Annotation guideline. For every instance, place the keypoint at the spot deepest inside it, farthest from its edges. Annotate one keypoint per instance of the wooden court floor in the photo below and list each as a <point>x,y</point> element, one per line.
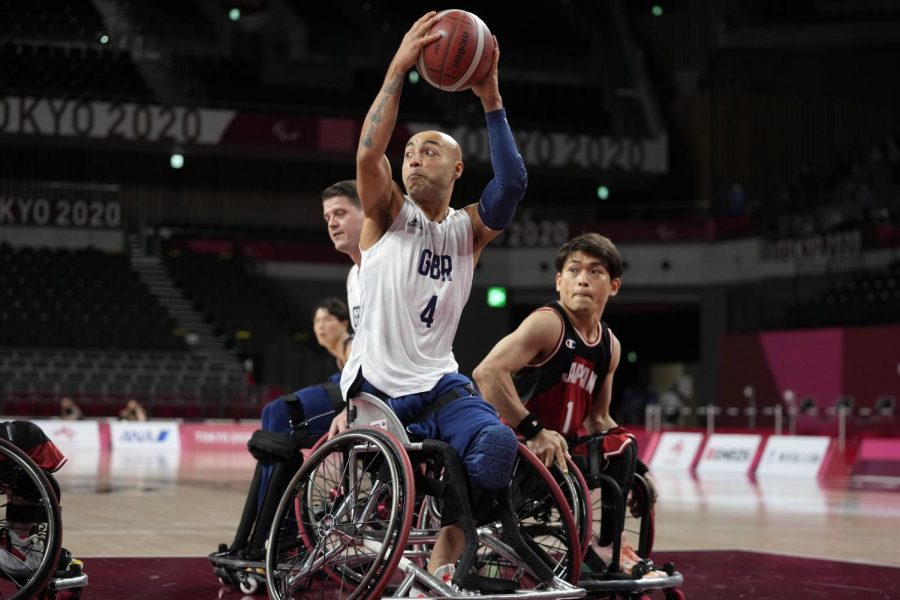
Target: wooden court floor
<point>168,506</point>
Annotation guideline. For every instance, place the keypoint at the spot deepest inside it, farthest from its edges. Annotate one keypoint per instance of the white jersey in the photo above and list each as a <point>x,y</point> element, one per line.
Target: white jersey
<point>415,282</point>
<point>353,302</point>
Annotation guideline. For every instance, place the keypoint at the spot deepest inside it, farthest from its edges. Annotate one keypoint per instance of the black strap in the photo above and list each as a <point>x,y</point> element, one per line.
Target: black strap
<point>334,394</point>
<point>295,408</point>
<point>462,391</point>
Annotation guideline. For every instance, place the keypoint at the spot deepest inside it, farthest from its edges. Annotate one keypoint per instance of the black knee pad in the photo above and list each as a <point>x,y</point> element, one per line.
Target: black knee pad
<point>270,447</point>
<point>621,467</point>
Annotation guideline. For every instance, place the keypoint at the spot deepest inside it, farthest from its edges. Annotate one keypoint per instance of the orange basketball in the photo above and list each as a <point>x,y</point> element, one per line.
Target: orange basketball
<point>463,54</point>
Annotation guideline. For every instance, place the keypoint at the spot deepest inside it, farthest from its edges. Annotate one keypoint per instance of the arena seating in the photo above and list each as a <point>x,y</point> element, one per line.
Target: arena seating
<point>81,323</point>
<point>173,19</point>
<point>67,71</point>
<point>42,19</point>
<point>872,297</point>
<point>235,303</point>
<point>79,299</point>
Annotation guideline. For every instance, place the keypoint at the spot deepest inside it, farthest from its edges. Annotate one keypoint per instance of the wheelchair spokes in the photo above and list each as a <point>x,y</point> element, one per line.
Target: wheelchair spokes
<point>349,506</point>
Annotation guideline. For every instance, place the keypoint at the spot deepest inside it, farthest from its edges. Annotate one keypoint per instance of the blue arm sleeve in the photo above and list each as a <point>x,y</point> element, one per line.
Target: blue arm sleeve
<point>504,192</point>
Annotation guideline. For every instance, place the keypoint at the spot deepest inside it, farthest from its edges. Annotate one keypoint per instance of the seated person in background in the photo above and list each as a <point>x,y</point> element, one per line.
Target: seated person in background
<point>332,321</point>
<point>296,420</point>
<point>552,377</point>
<point>331,324</point>
<point>69,411</point>
<point>133,411</point>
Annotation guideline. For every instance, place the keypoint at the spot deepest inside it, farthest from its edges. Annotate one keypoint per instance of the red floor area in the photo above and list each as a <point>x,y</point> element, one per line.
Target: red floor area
<point>722,575</point>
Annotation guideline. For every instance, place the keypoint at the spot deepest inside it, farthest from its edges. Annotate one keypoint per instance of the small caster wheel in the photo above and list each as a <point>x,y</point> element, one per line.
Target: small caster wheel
<point>249,585</point>
<point>639,570</point>
<point>669,568</point>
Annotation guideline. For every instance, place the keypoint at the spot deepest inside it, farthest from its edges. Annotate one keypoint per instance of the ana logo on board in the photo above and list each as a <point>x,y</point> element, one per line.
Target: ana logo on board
<point>145,435</point>
<point>158,437</point>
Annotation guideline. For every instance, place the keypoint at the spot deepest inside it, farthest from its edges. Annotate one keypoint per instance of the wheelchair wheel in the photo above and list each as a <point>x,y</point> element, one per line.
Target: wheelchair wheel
<point>345,517</point>
<point>641,524</point>
<point>30,525</point>
<point>546,517</point>
<point>639,521</point>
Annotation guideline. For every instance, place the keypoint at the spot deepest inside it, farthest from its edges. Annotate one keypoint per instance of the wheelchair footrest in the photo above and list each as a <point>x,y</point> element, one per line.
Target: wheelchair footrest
<point>491,585</point>
<point>68,582</point>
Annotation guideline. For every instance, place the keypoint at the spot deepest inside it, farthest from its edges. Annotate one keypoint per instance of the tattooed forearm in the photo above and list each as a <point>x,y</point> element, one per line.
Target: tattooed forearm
<point>377,116</point>
<point>394,85</point>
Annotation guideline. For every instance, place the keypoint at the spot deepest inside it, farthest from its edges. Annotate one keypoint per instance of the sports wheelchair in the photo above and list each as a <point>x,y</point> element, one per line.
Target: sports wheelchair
<point>598,502</point>
<point>33,563</point>
<point>360,517</point>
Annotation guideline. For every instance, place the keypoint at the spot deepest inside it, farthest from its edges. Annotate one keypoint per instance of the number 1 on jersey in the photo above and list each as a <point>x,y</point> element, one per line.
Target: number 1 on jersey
<point>427,315</point>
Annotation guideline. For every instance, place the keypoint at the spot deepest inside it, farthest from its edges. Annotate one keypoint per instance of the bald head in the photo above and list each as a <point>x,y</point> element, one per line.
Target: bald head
<point>432,162</point>
<point>438,138</point>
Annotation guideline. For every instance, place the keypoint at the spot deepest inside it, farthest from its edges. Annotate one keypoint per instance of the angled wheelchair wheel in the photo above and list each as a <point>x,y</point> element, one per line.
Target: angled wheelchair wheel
<point>577,494</point>
<point>343,521</point>
<point>639,516</point>
<point>546,518</point>
<point>30,525</point>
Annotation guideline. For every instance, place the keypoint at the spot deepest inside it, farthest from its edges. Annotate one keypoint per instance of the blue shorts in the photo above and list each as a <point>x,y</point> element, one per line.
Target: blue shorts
<point>317,407</point>
<point>469,424</point>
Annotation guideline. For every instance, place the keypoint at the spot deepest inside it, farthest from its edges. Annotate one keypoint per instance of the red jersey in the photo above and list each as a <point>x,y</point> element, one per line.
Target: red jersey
<point>560,389</point>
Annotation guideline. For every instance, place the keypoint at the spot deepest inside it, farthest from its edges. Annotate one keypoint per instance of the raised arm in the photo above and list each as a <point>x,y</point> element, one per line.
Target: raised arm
<point>600,419</point>
<point>533,340</point>
<point>381,197</point>
<point>494,211</point>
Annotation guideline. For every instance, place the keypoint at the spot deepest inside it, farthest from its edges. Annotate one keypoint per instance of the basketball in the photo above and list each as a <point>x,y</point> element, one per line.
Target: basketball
<point>463,54</point>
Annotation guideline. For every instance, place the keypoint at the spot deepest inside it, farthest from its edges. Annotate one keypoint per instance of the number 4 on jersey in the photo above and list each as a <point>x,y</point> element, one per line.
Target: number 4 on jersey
<point>427,315</point>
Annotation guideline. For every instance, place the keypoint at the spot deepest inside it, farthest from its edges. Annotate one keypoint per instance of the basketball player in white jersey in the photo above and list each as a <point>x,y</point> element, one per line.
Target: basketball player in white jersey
<point>419,257</point>
<point>343,215</point>
<point>298,419</point>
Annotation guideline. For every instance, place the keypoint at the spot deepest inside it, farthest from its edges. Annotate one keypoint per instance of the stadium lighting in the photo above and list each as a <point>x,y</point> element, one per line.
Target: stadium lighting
<point>234,14</point>
<point>176,161</point>
<point>104,39</point>
<point>496,296</point>
<point>414,77</point>
<point>603,192</point>
<point>656,10</point>
<point>632,357</point>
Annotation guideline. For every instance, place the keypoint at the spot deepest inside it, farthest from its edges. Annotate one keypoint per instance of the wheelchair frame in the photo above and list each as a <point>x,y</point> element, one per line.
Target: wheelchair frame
<point>391,553</point>
<point>44,579</point>
<point>614,582</point>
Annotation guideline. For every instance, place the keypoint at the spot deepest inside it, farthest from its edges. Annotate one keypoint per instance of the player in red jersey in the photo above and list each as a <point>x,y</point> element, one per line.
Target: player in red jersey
<point>551,378</point>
